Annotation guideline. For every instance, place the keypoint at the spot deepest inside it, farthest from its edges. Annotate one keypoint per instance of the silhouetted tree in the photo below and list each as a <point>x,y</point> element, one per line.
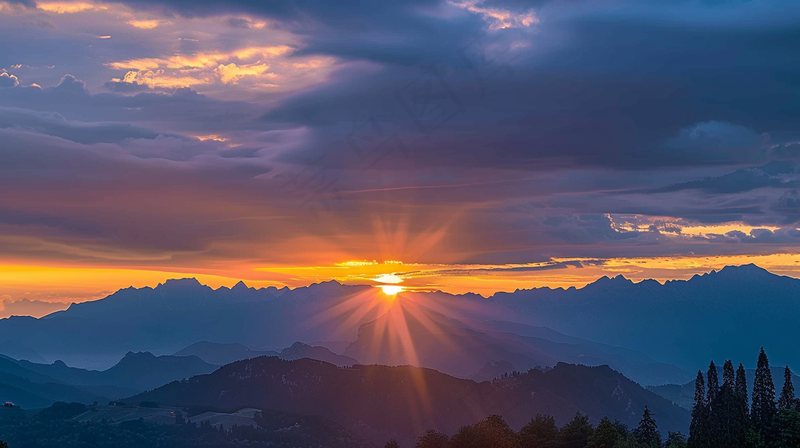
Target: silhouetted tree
<point>724,411</point>
<point>392,444</point>
<point>763,410</point>
<point>786,399</point>
<point>728,375</point>
<point>576,433</point>
<point>741,387</point>
<point>698,436</point>
<point>647,432</point>
<point>540,432</point>
<point>713,384</point>
<point>675,440</point>
<point>604,436</point>
<point>493,432</point>
<point>433,439</point>
<point>712,413</point>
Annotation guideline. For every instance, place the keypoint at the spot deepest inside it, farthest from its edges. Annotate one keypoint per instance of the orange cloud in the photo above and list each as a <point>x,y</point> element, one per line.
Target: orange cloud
<point>69,7</point>
<point>232,73</point>
<point>143,24</point>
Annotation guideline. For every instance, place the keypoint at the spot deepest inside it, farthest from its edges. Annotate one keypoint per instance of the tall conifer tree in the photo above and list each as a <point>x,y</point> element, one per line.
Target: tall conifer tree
<point>741,386</point>
<point>763,410</point>
<point>713,384</point>
<point>786,400</point>
<point>741,420</point>
<point>728,375</point>
<point>647,432</point>
<point>726,406</point>
<point>712,407</point>
<point>697,433</point>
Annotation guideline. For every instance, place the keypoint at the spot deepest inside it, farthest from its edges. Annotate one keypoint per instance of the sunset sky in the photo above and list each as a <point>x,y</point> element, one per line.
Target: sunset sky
<point>461,145</point>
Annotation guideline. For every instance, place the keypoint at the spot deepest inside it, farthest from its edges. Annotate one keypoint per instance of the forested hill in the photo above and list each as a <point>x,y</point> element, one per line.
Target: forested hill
<point>382,402</point>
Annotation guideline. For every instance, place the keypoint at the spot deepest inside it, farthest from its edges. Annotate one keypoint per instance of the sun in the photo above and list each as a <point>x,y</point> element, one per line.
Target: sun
<point>391,290</point>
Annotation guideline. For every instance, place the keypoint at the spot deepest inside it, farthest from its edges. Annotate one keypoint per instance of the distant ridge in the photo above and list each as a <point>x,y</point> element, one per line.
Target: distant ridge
<point>680,322</point>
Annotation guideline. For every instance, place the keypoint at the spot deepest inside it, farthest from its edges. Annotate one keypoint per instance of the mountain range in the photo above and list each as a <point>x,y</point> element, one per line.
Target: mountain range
<point>654,333</point>
<point>35,385</point>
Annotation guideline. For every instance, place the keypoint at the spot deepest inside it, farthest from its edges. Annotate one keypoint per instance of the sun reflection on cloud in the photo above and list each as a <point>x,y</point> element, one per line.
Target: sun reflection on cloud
<point>69,7</point>
<point>391,290</point>
<point>143,24</point>
<point>389,278</point>
<point>498,18</point>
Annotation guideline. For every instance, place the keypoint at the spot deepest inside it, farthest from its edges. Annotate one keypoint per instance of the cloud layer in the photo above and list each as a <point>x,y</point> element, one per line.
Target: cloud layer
<point>225,137</point>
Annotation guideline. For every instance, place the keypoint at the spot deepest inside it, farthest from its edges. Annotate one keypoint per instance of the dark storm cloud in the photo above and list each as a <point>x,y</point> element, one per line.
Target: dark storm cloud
<point>180,110</point>
<point>638,92</point>
<point>776,174</point>
<point>56,125</point>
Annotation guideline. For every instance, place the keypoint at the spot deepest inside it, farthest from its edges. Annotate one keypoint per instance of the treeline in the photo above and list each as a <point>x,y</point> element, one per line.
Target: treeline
<point>542,432</point>
<point>55,427</point>
<point>723,416</point>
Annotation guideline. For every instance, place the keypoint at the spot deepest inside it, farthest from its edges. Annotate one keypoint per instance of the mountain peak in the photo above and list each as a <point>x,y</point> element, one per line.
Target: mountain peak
<point>742,271</point>
<point>130,356</point>
<point>240,286</point>
<point>180,282</point>
<point>618,280</point>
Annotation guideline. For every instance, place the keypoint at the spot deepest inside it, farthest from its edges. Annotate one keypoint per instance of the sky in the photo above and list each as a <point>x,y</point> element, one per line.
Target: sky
<point>460,145</point>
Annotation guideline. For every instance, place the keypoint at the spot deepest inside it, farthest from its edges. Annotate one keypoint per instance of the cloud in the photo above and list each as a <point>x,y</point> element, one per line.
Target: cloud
<point>550,129</point>
<point>499,18</point>
<point>56,125</point>
<point>8,80</point>
<point>68,7</point>
<point>232,73</point>
<point>26,307</point>
<point>70,85</point>
<point>776,174</point>
<point>143,24</point>
<point>245,23</point>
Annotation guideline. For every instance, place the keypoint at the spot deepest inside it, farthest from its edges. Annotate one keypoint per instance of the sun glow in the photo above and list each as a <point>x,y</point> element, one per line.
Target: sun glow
<point>391,290</point>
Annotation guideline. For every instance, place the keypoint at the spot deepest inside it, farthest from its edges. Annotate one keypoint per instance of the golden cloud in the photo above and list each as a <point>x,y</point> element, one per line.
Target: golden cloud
<point>232,73</point>
<point>143,24</point>
<point>69,7</point>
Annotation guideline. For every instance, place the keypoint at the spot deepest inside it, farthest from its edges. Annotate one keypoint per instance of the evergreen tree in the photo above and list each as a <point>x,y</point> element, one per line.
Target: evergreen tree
<point>713,416</point>
<point>713,384</point>
<point>605,435</point>
<point>741,417</point>
<point>697,429</point>
<point>763,408</point>
<point>725,410</point>
<point>741,387</point>
<point>647,432</point>
<point>786,400</point>
<point>392,444</point>
<point>728,375</point>
<point>540,432</point>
